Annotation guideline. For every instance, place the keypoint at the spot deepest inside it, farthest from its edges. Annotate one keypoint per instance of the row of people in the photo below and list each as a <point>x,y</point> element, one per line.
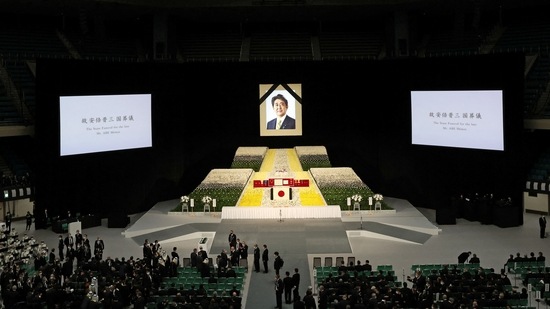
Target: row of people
<point>468,290</point>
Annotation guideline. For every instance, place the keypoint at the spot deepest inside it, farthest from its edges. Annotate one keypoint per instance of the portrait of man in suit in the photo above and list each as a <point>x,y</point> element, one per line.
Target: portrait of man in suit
<point>280,107</point>
<point>282,120</point>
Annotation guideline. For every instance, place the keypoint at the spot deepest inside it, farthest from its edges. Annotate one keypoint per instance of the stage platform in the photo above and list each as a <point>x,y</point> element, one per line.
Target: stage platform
<point>403,223</point>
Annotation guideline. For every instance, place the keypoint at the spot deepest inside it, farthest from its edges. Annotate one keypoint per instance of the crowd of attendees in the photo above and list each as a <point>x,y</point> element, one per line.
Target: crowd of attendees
<point>451,286</point>
<point>35,276</point>
<point>14,180</point>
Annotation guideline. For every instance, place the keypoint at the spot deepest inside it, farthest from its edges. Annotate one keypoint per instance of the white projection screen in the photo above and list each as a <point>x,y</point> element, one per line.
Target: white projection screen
<point>99,123</point>
<point>472,119</point>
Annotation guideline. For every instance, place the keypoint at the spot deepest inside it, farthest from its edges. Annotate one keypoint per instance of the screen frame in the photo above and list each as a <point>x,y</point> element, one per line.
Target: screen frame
<point>447,133</point>
<point>88,106</point>
<point>293,93</point>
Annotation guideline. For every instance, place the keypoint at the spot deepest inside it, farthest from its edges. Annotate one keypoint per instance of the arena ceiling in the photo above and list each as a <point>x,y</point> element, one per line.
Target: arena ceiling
<point>267,10</point>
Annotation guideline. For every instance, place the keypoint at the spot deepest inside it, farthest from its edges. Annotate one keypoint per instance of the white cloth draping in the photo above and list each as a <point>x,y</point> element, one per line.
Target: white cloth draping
<point>281,212</point>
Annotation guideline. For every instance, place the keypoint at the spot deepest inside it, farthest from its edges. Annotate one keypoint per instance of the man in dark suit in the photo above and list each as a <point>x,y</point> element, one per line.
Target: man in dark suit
<point>203,254</point>
<point>232,239</point>
<point>175,262</point>
<point>296,282</point>
<point>463,257</point>
<point>542,225</point>
<point>51,258</point>
<point>279,289</point>
<point>278,263</point>
<point>8,218</point>
<point>69,242</point>
<point>61,247</point>
<point>265,258</point>
<point>78,238</point>
<point>193,257</point>
<point>99,246</point>
<point>288,284</point>
<point>256,258</point>
<point>283,121</point>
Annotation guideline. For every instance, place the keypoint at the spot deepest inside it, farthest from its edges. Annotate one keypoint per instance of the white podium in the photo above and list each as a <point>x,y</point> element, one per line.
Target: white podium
<point>74,226</point>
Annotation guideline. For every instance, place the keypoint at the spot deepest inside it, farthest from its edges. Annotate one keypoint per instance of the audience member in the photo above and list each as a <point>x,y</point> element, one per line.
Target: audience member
<point>463,257</point>
<point>474,259</point>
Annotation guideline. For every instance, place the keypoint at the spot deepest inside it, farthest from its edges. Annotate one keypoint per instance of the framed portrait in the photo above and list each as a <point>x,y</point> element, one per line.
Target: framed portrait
<point>280,109</point>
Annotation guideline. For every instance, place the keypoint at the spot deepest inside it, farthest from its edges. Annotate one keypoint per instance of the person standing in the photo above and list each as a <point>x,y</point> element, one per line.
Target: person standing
<point>78,238</point>
<point>244,251</point>
<point>288,284</point>
<point>296,283</point>
<point>61,247</point>
<point>223,262</point>
<point>279,288</point>
<point>278,262</point>
<point>99,246</point>
<point>193,257</point>
<point>265,258</point>
<point>309,300</point>
<point>28,217</point>
<point>51,258</point>
<point>69,242</point>
<point>175,262</point>
<point>8,221</point>
<point>542,225</point>
<point>147,253</point>
<point>234,255</point>
<point>201,257</point>
<point>232,239</point>
<point>256,258</point>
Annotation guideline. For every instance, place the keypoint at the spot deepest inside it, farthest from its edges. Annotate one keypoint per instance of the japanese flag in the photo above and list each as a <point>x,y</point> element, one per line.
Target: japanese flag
<point>281,193</point>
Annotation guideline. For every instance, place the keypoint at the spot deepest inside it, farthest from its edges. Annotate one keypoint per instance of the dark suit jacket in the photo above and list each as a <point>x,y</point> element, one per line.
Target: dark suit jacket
<point>288,123</point>
<point>265,255</point>
<point>256,254</point>
<point>279,286</point>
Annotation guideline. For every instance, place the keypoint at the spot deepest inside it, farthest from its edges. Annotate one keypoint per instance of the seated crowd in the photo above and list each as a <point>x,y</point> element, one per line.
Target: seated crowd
<point>451,286</point>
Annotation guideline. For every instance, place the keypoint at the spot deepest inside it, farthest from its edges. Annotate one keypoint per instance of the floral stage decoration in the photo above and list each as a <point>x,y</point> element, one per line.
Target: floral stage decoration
<point>231,187</point>
<point>224,185</point>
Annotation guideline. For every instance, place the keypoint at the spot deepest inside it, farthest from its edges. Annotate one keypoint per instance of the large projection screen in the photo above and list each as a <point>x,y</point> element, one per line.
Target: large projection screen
<point>98,123</point>
<point>470,119</point>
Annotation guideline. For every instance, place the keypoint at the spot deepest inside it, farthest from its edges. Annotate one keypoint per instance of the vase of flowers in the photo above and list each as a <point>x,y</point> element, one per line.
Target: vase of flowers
<point>206,200</point>
<point>184,202</point>
<point>357,198</point>
<point>378,198</point>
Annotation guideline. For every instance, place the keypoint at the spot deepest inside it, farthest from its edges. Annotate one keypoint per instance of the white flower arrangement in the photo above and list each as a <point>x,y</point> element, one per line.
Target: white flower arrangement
<point>357,198</point>
<point>251,152</point>
<point>222,178</point>
<point>206,199</point>
<point>311,150</point>
<point>184,199</point>
<point>378,197</point>
<point>340,177</point>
